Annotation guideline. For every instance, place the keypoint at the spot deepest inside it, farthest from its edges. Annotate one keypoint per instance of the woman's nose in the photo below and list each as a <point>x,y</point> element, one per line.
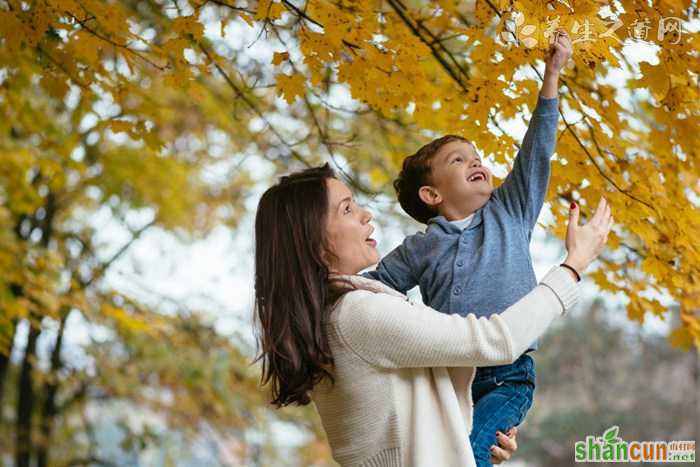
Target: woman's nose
<point>367,216</point>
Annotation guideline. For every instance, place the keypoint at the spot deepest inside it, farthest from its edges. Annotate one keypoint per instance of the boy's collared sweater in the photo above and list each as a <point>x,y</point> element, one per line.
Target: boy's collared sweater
<point>486,267</point>
<point>403,373</point>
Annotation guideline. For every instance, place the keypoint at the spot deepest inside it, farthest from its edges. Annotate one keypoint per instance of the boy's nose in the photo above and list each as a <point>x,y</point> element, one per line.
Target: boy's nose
<point>475,163</point>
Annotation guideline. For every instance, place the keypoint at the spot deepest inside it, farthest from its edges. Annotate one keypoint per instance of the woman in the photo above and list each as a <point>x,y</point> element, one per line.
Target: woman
<point>390,380</point>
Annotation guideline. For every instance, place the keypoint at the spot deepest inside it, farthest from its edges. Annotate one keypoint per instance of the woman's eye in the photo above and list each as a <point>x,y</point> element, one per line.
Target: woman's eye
<point>347,209</point>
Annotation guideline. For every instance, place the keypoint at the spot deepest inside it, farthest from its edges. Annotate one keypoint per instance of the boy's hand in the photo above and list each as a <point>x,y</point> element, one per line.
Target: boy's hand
<point>558,53</point>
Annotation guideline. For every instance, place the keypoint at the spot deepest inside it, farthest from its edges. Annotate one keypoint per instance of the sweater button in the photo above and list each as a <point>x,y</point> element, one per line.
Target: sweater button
<point>460,263</point>
<point>457,290</point>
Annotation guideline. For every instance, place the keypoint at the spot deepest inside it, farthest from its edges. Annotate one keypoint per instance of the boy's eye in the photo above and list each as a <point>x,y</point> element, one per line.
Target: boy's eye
<point>347,209</point>
<point>457,159</point>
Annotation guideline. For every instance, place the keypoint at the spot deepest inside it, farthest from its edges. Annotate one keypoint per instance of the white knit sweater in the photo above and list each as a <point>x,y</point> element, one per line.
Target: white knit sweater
<point>403,372</point>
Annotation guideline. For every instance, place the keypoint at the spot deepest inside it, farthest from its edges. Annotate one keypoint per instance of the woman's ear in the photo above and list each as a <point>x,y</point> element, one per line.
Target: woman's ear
<point>429,195</point>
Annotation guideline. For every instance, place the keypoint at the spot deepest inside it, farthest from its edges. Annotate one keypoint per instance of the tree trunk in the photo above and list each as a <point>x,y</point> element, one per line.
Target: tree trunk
<point>49,409</point>
<point>25,400</point>
<point>696,375</point>
<point>5,362</point>
<point>16,291</point>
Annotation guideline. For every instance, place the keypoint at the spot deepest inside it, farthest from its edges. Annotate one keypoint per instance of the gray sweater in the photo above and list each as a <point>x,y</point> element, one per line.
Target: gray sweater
<point>403,373</point>
<point>486,267</point>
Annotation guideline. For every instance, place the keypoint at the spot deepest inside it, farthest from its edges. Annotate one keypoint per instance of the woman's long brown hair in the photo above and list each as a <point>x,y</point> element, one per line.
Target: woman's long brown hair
<point>293,294</point>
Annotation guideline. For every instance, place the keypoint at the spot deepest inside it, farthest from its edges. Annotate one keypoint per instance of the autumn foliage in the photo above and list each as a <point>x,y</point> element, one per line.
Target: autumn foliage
<point>129,107</point>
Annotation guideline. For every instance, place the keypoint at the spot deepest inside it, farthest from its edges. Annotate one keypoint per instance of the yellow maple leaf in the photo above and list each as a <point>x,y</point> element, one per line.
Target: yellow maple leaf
<point>635,311</point>
<point>290,86</point>
<point>188,25</point>
<point>602,281</point>
<point>247,19</point>
<point>655,78</point>
<point>652,266</point>
<point>681,338</point>
<point>378,177</point>
<point>56,86</point>
<point>267,10</point>
<point>279,57</point>
<point>120,126</point>
<point>86,47</point>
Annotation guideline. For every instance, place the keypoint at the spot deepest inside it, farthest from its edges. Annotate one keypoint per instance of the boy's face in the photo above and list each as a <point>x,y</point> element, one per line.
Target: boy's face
<point>461,184</point>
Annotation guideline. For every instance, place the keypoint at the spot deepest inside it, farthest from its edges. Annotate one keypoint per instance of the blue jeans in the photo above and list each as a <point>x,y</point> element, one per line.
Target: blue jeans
<point>502,396</point>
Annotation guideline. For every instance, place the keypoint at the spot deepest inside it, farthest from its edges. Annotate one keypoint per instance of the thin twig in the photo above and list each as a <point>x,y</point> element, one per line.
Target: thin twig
<point>115,44</point>
<point>239,93</point>
<point>569,127</point>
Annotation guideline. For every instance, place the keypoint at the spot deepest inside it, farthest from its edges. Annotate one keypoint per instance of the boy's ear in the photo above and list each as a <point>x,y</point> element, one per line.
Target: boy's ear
<point>429,195</point>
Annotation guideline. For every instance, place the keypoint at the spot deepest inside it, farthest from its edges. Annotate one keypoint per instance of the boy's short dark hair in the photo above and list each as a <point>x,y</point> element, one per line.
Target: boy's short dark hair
<point>415,173</point>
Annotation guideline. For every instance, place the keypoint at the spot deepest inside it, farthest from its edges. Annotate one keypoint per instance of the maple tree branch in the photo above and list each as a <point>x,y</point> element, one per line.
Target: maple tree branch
<point>435,40</point>
<point>224,4</point>
<point>252,106</point>
<point>569,127</point>
<point>90,460</point>
<point>492,117</point>
<point>60,66</point>
<point>323,135</point>
<point>590,157</point>
<point>600,170</point>
<point>438,39</point>
<point>329,146</point>
<point>113,43</point>
<point>609,179</point>
<point>398,8</point>
<point>328,105</point>
<point>300,13</point>
<point>102,268</point>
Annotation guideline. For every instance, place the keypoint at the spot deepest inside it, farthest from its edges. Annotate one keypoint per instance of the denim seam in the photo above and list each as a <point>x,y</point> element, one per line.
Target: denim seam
<point>507,403</point>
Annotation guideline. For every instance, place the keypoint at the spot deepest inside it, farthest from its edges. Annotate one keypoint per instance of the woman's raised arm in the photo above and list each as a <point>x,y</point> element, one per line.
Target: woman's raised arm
<point>390,332</point>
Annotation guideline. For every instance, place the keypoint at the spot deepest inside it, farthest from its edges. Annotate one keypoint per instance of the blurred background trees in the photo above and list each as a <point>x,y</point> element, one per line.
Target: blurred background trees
<point>131,123</point>
<point>592,374</point>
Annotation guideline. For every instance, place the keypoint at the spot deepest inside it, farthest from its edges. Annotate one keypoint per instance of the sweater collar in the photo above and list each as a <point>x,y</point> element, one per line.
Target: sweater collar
<point>366,283</point>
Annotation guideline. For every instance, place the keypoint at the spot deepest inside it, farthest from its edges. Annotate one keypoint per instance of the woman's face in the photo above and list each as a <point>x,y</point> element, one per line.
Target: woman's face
<point>348,232</point>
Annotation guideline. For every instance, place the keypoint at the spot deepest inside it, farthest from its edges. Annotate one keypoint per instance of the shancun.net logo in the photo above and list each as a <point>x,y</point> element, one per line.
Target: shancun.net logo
<point>611,448</point>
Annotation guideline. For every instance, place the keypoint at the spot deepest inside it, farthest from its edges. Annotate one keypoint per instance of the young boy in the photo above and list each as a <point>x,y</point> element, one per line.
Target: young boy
<point>474,255</point>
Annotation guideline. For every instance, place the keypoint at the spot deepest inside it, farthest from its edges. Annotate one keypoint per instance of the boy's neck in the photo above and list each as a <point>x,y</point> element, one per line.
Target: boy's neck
<point>455,213</point>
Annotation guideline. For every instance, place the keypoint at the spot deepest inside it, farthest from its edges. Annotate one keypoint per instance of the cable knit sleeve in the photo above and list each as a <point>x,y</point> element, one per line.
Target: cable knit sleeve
<point>387,331</point>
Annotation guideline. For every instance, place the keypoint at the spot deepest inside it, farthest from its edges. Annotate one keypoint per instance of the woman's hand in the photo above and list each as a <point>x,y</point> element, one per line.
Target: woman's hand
<point>584,243</point>
<point>508,445</point>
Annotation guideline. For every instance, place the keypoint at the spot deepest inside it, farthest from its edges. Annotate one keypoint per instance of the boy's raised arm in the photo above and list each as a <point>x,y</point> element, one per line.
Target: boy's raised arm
<point>524,189</point>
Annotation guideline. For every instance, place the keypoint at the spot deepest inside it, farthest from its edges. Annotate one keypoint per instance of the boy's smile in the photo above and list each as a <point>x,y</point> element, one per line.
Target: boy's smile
<point>460,184</point>
<point>478,175</point>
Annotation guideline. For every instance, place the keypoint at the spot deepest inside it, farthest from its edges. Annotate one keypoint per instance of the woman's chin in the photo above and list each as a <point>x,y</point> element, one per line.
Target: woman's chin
<point>371,259</point>
<point>374,259</point>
